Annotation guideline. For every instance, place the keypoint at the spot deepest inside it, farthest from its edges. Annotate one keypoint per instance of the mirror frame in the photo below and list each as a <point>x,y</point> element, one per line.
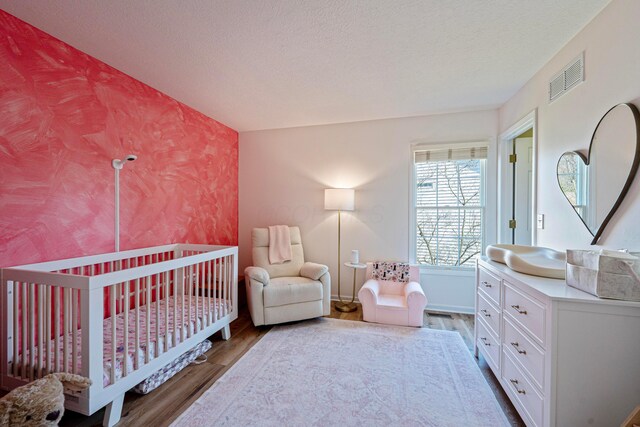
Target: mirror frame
<point>630,177</point>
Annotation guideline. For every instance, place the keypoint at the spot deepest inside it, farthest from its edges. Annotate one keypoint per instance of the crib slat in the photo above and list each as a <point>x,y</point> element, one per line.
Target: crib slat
<point>197,292</point>
<point>65,326</point>
<point>232,283</point>
<point>175,308</point>
<point>207,287</point>
<point>203,298</point>
<point>182,306</point>
<point>69,310</point>
<point>32,328</point>
<point>221,290</point>
<point>215,290</point>
<point>157,305</point>
<point>48,329</point>
<point>209,278</point>
<point>56,319</point>
<point>148,324</point>
<point>74,332</point>
<point>227,288</point>
<point>190,284</point>
<point>223,283</point>
<point>136,362</point>
<point>114,341</point>
<point>166,311</point>
<point>229,306</point>
<point>223,286</point>
<point>23,321</point>
<point>125,291</point>
<point>16,327</point>
<point>226,284</point>
<point>41,339</point>
<point>203,291</point>
<point>229,272</point>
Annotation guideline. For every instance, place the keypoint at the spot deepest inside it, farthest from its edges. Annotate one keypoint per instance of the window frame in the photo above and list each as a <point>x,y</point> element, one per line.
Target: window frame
<point>453,270</point>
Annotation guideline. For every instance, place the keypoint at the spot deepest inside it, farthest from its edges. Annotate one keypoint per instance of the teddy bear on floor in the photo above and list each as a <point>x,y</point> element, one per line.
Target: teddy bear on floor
<point>39,403</point>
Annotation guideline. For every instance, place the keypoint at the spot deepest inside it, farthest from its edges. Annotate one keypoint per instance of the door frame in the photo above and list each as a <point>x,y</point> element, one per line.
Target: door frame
<point>505,176</point>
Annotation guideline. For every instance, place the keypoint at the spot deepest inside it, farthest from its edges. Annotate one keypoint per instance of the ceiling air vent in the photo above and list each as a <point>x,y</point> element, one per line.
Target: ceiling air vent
<point>566,79</point>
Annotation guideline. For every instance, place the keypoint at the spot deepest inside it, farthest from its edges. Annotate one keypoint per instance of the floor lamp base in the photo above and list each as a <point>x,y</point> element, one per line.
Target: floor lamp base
<point>346,307</point>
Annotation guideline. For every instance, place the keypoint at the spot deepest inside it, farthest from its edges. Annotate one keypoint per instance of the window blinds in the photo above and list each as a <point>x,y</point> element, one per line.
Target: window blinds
<point>437,155</point>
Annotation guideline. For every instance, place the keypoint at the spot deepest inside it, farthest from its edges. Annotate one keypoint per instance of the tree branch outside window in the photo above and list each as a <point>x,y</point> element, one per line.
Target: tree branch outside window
<point>449,212</point>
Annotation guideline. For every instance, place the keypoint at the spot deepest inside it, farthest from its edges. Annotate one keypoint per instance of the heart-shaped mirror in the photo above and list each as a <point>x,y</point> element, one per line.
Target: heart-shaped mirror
<point>596,184</point>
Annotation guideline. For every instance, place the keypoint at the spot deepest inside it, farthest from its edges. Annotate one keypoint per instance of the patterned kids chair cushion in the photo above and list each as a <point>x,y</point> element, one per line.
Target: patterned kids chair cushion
<point>391,271</point>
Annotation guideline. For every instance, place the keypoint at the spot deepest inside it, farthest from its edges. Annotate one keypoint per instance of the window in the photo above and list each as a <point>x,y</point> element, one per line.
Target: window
<point>448,210</point>
<point>572,177</point>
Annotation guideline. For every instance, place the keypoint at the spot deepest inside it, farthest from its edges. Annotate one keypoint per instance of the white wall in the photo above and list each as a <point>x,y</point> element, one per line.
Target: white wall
<point>283,174</point>
<point>612,64</point>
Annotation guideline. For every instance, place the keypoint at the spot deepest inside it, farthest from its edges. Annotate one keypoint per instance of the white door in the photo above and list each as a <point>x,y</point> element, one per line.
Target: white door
<point>523,187</point>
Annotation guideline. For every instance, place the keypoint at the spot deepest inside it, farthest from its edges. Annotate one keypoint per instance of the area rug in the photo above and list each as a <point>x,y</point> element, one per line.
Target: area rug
<point>329,372</point>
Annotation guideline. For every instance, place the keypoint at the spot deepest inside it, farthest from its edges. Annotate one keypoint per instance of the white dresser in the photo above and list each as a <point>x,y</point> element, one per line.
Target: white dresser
<point>564,357</point>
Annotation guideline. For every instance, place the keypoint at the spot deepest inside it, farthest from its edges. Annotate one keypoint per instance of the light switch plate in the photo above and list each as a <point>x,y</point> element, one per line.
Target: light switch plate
<point>541,221</point>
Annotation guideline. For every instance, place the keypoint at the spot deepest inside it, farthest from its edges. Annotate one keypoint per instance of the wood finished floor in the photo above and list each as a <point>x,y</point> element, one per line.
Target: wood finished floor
<point>163,405</point>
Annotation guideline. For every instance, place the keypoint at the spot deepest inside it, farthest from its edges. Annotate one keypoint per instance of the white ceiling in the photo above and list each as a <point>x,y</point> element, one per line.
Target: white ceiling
<point>255,64</point>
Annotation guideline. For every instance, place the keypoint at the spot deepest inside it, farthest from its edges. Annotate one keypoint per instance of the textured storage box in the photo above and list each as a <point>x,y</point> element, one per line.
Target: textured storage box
<point>614,275</point>
<point>163,375</point>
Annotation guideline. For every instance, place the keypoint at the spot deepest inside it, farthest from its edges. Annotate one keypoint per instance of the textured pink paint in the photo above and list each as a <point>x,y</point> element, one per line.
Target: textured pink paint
<point>63,116</point>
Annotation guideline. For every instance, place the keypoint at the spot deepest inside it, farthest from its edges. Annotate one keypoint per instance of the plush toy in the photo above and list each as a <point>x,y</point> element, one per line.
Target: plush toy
<point>41,402</point>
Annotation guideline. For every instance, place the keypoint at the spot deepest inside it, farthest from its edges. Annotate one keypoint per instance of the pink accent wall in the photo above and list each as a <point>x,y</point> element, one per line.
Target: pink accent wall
<point>63,116</point>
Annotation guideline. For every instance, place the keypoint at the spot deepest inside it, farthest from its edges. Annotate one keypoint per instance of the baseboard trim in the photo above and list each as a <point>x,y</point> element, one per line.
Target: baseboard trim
<point>434,307</point>
<point>450,308</point>
<point>345,299</point>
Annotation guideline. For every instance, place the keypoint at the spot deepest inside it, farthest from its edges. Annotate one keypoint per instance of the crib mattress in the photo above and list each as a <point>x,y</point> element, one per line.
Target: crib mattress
<point>158,335</point>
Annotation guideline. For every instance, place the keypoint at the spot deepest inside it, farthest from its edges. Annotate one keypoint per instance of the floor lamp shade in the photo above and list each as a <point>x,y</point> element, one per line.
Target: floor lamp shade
<point>339,199</point>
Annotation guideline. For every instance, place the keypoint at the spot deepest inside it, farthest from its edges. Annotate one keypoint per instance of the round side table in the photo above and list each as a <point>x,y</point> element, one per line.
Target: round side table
<point>350,306</point>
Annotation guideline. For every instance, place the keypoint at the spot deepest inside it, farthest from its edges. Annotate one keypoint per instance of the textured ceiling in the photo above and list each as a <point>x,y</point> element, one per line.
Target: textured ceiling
<point>255,64</point>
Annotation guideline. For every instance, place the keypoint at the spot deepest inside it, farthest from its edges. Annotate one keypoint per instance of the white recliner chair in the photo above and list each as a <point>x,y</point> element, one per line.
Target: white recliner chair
<point>392,294</point>
<point>293,290</point>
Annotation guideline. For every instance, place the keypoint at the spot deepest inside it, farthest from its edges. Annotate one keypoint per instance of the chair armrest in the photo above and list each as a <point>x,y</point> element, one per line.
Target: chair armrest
<point>255,278</point>
<point>313,271</point>
<point>371,288</point>
<point>414,294</point>
<point>258,274</point>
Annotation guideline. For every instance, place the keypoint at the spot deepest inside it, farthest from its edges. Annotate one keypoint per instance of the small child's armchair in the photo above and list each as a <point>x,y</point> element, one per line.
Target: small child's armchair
<point>392,294</point>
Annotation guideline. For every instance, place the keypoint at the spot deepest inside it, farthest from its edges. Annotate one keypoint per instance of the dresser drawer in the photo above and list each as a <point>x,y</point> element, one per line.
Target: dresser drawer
<point>490,284</point>
<point>489,313</point>
<point>519,386</point>
<point>526,312</point>
<point>489,345</point>
<point>524,351</point>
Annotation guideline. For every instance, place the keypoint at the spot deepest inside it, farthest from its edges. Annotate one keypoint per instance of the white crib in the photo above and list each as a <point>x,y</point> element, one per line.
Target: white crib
<point>79,315</point>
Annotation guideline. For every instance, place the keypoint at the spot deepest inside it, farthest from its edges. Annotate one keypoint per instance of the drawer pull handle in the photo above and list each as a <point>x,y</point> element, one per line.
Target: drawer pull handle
<point>486,284</point>
<point>486,313</point>
<point>515,385</point>
<point>516,346</point>
<point>484,341</point>
<point>517,308</point>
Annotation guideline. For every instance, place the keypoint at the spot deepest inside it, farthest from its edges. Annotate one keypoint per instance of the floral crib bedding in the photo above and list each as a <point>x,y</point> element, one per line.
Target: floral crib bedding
<point>185,326</point>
